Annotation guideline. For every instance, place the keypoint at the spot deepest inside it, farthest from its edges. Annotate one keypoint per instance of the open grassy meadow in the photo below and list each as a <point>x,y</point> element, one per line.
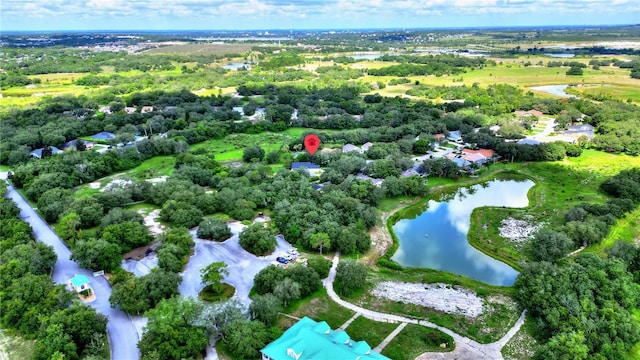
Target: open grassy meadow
<point>202,49</point>
<point>613,83</point>
<point>373,332</point>
<point>318,307</point>
<point>414,340</point>
<point>559,186</point>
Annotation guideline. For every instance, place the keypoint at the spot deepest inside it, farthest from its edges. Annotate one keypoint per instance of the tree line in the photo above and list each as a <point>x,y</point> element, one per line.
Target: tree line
<point>32,305</point>
<point>583,306</point>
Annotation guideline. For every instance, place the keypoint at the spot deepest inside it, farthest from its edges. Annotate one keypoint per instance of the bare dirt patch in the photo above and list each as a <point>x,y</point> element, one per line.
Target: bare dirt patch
<point>518,231</point>
<point>151,221</point>
<point>442,297</point>
<point>158,179</point>
<point>116,183</point>
<point>381,239</point>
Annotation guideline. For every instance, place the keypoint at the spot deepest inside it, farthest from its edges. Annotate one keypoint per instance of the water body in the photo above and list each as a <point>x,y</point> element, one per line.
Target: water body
<point>557,90</point>
<point>236,66</point>
<point>437,238</point>
<point>564,56</point>
<point>365,56</point>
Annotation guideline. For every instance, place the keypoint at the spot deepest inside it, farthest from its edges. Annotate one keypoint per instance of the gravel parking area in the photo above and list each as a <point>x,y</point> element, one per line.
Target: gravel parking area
<point>242,265</point>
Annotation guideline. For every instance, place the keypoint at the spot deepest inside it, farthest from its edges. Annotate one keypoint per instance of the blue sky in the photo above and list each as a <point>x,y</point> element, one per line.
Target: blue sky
<point>307,14</point>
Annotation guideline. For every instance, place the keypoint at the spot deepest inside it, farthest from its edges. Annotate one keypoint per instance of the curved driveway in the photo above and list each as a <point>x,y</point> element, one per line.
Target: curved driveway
<point>465,347</point>
<point>123,338</point>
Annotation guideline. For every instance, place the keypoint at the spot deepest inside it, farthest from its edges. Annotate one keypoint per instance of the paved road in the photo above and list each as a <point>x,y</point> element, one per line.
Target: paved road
<point>242,265</point>
<point>465,348</point>
<point>123,338</point>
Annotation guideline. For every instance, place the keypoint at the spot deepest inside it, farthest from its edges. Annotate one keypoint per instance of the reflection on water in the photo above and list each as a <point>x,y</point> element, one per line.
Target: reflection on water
<point>437,238</point>
<point>365,56</point>
<point>236,66</point>
<point>557,90</point>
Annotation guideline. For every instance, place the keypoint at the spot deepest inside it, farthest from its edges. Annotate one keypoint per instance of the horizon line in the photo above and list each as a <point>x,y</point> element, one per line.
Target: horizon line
<point>5,31</point>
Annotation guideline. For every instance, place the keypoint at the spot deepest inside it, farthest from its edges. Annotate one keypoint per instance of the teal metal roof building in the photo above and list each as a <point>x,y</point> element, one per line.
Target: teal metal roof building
<point>308,339</point>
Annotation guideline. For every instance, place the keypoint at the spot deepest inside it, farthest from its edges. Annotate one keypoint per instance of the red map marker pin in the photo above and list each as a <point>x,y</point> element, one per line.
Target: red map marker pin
<point>311,143</point>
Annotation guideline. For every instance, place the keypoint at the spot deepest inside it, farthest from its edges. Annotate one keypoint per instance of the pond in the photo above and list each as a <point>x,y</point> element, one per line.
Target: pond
<point>365,56</point>
<point>562,56</point>
<point>437,237</point>
<point>557,90</point>
<point>236,66</point>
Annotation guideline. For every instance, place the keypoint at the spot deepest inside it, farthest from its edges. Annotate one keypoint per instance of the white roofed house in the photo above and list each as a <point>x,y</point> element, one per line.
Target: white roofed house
<point>351,148</point>
<point>579,130</point>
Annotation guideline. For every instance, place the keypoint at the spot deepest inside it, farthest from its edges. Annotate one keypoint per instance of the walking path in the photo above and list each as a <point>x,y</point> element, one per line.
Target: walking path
<point>390,337</point>
<point>348,322</point>
<point>576,251</point>
<point>465,348</point>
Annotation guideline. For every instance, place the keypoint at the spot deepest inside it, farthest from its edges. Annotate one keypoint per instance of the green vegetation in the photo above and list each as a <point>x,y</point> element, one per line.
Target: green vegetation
<point>14,346</point>
<point>373,332</point>
<point>318,307</point>
<point>210,295</point>
<point>32,306</point>
<point>229,164</point>
<point>523,345</point>
<point>415,340</point>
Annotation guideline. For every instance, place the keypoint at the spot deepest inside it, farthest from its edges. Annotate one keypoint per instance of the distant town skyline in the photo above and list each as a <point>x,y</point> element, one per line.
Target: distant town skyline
<point>66,15</point>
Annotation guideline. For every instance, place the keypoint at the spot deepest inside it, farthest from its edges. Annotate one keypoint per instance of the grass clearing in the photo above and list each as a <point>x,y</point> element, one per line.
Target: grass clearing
<point>619,85</point>
<point>522,345</point>
<point>15,347</point>
<point>609,91</point>
<point>152,168</point>
<point>625,229</point>
<point>373,332</point>
<point>202,49</point>
<point>318,307</point>
<point>499,314</point>
<point>209,295</point>
<point>414,340</point>
<point>231,147</point>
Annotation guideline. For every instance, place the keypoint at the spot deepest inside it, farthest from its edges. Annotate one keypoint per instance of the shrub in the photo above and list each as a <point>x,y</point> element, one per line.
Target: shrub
<point>257,240</point>
<point>320,265</point>
<point>214,229</point>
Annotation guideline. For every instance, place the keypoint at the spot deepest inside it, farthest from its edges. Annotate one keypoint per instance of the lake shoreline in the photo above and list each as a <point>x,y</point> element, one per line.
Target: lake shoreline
<point>436,193</point>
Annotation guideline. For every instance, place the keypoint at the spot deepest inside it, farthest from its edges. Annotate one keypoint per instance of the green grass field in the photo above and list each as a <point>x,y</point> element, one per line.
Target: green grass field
<point>203,49</point>
<point>155,167</point>
<point>625,229</point>
<point>414,340</point>
<point>512,71</point>
<point>318,307</point>
<point>373,332</point>
<point>559,186</point>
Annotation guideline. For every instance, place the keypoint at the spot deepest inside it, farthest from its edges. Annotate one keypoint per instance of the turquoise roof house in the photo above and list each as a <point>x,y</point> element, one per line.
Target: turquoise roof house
<point>308,339</point>
<point>79,283</point>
